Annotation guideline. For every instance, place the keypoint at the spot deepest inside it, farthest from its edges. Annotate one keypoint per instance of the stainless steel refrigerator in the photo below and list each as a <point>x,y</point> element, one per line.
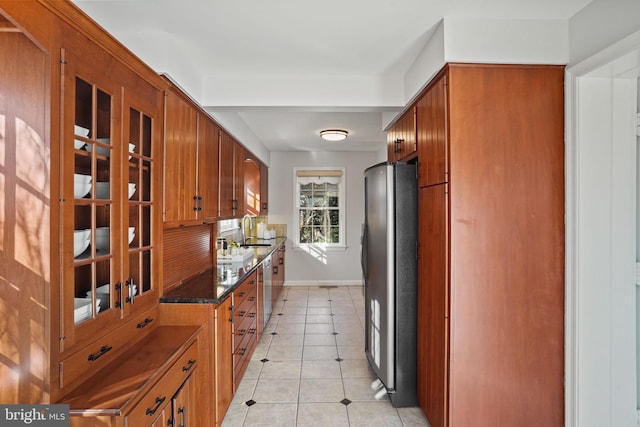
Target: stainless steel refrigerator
<point>389,266</point>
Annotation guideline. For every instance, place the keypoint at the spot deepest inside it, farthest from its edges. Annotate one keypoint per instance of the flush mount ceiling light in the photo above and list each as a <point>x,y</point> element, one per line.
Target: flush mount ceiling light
<point>333,135</point>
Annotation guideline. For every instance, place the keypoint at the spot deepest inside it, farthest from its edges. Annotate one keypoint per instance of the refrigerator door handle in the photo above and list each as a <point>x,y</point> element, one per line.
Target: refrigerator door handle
<point>364,253</point>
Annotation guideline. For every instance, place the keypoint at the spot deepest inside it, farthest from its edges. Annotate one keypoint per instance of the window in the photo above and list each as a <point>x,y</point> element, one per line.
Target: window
<point>319,207</point>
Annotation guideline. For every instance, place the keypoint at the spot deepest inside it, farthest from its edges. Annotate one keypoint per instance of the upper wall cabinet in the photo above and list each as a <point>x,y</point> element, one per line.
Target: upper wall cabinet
<point>191,159</point>
<point>264,189</point>
<point>431,118</point>
<point>111,142</point>
<point>252,187</point>
<point>401,137</point>
<point>231,174</point>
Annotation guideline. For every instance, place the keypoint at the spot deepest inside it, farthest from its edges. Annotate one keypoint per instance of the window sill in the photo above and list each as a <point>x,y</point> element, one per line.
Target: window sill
<point>315,248</point>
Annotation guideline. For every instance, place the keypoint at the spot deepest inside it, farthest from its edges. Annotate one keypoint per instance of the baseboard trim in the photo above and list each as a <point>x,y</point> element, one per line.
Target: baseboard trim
<point>294,283</point>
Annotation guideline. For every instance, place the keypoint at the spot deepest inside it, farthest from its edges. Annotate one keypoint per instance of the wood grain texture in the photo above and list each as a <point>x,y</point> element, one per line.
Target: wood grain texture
<point>207,185</point>
<point>507,245</point>
<point>433,165</point>
<point>198,315</point>
<point>187,252</point>
<point>179,158</point>
<point>25,221</point>
<point>433,288</point>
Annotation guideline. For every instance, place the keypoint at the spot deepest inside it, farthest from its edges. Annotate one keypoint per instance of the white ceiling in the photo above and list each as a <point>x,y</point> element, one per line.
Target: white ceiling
<point>257,43</point>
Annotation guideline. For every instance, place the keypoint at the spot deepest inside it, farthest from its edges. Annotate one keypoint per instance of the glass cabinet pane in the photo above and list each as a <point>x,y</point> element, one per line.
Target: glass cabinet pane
<point>140,202</point>
<point>93,206</point>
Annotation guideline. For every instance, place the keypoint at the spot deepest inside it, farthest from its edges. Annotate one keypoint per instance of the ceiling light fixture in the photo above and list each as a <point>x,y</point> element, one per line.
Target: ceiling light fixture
<point>333,135</point>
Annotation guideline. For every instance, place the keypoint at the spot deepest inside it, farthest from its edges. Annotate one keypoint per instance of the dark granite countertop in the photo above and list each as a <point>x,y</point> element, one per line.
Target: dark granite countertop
<point>206,288</point>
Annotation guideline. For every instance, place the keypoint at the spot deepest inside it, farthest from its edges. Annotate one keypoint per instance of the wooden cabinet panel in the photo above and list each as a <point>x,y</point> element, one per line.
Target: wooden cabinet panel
<point>226,178</point>
<point>431,117</point>
<point>401,137</point>
<point>231,181</point>
<point>207,190</point>
<point>202,315</point>
<point>112,139</point>
<point>433,289</point>
<point>252,194</point>
<point>277,280</point>
<point>161,395</point>
<point>180,152</point>
<point>239,157</point>
<point>264,189</point>
<point>245,329</point>
<point>191,160</point>
<point>185,409</point>
<point>224,358</point>
<point>499,246</point>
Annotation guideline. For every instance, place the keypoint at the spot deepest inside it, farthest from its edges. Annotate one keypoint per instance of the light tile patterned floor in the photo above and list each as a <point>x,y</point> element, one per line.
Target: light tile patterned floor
<point>309,368</point>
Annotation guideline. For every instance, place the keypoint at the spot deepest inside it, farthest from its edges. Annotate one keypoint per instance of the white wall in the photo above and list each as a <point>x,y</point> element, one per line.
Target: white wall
<point>332,267</point>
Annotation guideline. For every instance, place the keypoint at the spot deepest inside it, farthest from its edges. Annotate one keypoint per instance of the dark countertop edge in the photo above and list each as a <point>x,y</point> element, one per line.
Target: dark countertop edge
<point>203,300</point>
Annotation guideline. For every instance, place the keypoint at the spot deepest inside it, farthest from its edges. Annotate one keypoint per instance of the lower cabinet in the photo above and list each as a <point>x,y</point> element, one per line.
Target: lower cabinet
<point>223,357</point>
<point>245,328</point>
<point>150,384</point>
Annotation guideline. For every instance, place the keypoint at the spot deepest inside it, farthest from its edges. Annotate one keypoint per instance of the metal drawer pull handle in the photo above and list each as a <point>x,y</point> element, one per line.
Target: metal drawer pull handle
<point>103,350</point>
<point>242,313</point>
<point>159,401</point>
<point>252,315</point>
<point>241,332</point>
<point>144,323</point>
<point>252,299</point>
<point>242,351</point>
<point>189,365</point>
<point>241,294</point>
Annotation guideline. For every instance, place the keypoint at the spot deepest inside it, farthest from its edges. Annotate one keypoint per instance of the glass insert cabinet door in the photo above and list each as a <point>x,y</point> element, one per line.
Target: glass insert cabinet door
<point>107,203</point>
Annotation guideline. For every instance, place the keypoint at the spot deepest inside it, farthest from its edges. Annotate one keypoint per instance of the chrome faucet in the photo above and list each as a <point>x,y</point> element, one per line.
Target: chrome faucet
<point>244,234</point>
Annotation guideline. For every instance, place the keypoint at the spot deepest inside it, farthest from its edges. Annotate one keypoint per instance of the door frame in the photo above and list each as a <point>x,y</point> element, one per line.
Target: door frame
<point>600,312</point>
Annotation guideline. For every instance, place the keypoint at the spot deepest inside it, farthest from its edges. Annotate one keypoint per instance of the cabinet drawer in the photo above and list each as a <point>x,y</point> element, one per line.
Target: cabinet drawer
<point>86,362</point>
<point>245,308</point>
<point>245,326</point>
<point>246,289</point>
<point>243,348</point>
<point>162,392</point>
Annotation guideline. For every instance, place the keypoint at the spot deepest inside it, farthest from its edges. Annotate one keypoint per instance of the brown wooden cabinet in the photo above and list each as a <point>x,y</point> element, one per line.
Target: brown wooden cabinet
<point>491,277</point>
<point>147,385</point>
<point>245,328</point>
<point>401,137</point>
<point>223,362</point>
<point>190,162</point>
<point>110,170</point>
<point>277,278</point>
<point>264,189</point>
<point>252,186</point>
<point>431,134</point>
<point>230,165</point>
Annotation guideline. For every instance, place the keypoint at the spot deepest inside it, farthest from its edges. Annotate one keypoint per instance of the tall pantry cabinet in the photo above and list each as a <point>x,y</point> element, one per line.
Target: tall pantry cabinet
<point>491,260</point>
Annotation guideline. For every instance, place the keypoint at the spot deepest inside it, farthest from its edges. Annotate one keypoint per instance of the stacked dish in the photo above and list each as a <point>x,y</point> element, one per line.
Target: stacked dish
<point>82,309</point>
<point>81,185</point>
<point>102,295</point>
<point>81,240</point>
<point>103,151</point>
<point>132,234</point>
<point>80,131</point>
